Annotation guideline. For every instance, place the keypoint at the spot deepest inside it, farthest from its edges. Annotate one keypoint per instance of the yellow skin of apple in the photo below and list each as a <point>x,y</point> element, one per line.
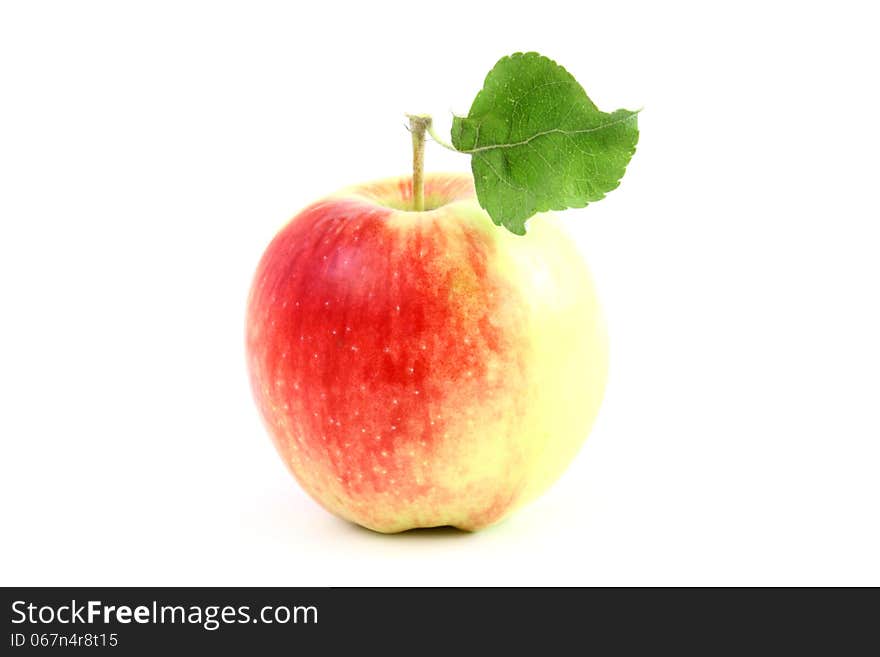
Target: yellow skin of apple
<point>497,451</point>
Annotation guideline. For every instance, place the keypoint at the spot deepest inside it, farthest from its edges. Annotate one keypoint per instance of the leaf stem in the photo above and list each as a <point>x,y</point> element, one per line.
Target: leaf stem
<point>418,124</point>
<point>439,140</point>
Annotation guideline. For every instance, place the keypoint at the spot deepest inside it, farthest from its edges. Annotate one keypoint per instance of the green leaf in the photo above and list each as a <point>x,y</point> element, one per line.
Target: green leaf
<point>539,143</point>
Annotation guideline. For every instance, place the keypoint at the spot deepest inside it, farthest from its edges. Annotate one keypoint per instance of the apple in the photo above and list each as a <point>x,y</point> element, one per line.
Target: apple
<point>418,369</point>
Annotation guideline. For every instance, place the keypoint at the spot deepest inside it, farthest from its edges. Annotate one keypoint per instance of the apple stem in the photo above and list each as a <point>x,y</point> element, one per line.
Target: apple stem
<point>418,124</point>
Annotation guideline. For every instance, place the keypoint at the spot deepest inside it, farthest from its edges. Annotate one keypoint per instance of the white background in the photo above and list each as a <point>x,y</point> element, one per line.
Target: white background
<point>149,151</point>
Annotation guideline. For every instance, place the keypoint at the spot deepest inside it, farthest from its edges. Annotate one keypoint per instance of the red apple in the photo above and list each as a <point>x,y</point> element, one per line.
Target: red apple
<point>418,369</point>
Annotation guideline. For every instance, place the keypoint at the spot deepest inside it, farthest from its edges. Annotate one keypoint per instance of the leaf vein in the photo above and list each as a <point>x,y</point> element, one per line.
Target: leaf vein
<point>598,128</point>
